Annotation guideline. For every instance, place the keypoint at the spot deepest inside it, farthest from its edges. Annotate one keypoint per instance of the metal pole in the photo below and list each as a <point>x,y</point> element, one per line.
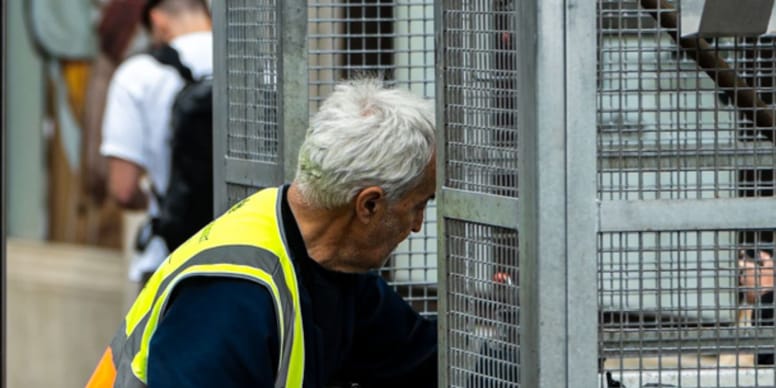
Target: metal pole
<point>293,111</point>
<point>557,222</point>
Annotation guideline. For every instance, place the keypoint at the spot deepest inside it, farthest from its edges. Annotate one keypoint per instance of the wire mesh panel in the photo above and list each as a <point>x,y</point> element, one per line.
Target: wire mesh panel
<point>483,294</point>
<point>392,40</point>
<point>477,104</point>
<point>671,123</point>
<point>259,117</point>
<point>481,122</point>
<point>355,38</point>
<point>252,63</point>
<point>683,121</point>
<point>665,317</point>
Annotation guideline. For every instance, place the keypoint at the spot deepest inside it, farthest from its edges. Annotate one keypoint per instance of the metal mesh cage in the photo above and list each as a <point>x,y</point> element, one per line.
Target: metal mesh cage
<point>682,119</point>
<point>679,120</point>
<point>480,100</point>
<point>483,313</point>
<point>252,63</point>
<point>392,40</point>
<point>673,312</point>
<point>672,118</point>
<point>480,157</point>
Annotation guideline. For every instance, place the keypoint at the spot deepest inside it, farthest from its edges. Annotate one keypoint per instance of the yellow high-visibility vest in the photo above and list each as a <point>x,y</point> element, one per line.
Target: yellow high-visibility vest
<point>247,242</point>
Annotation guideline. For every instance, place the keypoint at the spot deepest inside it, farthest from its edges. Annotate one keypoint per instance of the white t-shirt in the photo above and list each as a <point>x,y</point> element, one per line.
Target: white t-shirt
<point>136,122</point>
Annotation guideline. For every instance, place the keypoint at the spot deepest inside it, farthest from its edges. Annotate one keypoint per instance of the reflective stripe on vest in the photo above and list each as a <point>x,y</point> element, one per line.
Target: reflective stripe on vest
<point>247,242</point>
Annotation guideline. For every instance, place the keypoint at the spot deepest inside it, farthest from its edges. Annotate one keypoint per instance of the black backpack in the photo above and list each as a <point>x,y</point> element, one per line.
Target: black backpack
<point>187,204</point>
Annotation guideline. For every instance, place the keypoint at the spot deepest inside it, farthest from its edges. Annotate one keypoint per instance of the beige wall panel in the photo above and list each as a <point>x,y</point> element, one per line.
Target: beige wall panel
<point>64,305</point>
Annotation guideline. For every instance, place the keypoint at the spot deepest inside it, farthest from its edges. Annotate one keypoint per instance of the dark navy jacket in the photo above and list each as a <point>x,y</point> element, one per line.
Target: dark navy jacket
<point>222,332</point>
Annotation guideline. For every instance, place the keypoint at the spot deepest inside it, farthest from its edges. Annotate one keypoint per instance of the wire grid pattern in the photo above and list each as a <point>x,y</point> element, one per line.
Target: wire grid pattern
<point>393,40</point>
<point>252,62</point>
<point>672,310</point>
<point>682,119</point>
<point>674,121</point>
<point>356,38</point>
<point>481,96</point>
<point>483,313</point>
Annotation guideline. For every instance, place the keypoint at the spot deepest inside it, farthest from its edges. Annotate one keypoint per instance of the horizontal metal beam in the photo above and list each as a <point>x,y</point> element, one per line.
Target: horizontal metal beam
<point>663,341</point>
<point>645,160</point>
<point>687,214</point>
<point>252,172</point>
<point>626,216</point>
<point>478,207</point>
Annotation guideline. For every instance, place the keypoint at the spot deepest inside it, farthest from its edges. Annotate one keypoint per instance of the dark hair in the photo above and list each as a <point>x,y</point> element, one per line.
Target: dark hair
<point>188,4</point>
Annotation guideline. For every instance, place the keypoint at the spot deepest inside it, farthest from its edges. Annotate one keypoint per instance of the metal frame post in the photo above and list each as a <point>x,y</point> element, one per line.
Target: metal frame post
<point>220,104</point>
<point>293,110</point>
<point>557,217</point>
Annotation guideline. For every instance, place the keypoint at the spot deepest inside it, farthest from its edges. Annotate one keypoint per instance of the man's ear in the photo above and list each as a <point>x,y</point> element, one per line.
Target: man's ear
<point>160,24</point>
<point>369,202</point>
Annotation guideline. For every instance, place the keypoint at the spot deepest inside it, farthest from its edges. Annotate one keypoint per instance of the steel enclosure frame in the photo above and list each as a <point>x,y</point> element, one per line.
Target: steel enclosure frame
<point>686,214</point>
<point>293,107</point>
<point>220,103</point>
<point>557,211</point>
<point>557,153</point>
<point>442,289</point>
<point>292,111</point>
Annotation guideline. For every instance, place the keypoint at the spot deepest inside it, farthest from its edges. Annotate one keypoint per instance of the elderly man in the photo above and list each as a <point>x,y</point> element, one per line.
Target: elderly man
<point>276,292</point>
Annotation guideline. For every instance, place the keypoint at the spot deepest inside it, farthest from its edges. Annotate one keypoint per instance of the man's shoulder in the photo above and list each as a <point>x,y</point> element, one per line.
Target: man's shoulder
<point>193,41</point>
<point>137,63</point>
<point>141,68</point>
<point>196,52</point>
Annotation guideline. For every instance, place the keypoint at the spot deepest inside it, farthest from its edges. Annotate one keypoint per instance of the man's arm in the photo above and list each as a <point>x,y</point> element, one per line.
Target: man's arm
<point>124,184</point>
<point>393,346</point>
<point>124,136</point>
<point>217,332</point>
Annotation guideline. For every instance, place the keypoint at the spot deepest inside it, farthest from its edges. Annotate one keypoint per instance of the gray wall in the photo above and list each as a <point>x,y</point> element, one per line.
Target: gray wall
<point>25,152</point>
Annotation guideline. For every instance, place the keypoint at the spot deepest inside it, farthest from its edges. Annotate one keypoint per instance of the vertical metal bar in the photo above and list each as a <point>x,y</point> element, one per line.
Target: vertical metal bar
<point>293,100</point>
<point>442,271</point>
<point>220,106</point>
<point>541,163</point>
<point>581,215</point>
<point>555,82</point>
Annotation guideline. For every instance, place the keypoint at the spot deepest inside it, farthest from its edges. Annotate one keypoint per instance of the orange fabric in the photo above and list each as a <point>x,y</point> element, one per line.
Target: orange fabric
<point>76,76</point>
<point>105,373</point>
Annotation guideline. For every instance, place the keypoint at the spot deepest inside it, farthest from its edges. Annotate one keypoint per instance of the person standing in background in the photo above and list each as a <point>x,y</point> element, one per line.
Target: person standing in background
<point>136,126</point>
<point>120,35</point>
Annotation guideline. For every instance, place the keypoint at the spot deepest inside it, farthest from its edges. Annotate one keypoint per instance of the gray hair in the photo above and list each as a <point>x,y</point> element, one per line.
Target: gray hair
<point>365,135</point>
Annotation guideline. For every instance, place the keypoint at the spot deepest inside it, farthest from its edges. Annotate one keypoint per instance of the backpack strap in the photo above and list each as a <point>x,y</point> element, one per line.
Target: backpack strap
<point>167,55</point>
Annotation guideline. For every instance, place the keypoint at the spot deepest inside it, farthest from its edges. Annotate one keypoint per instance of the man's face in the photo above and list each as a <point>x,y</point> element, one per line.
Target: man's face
<point>756,279</point>
<point>400,219</point>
